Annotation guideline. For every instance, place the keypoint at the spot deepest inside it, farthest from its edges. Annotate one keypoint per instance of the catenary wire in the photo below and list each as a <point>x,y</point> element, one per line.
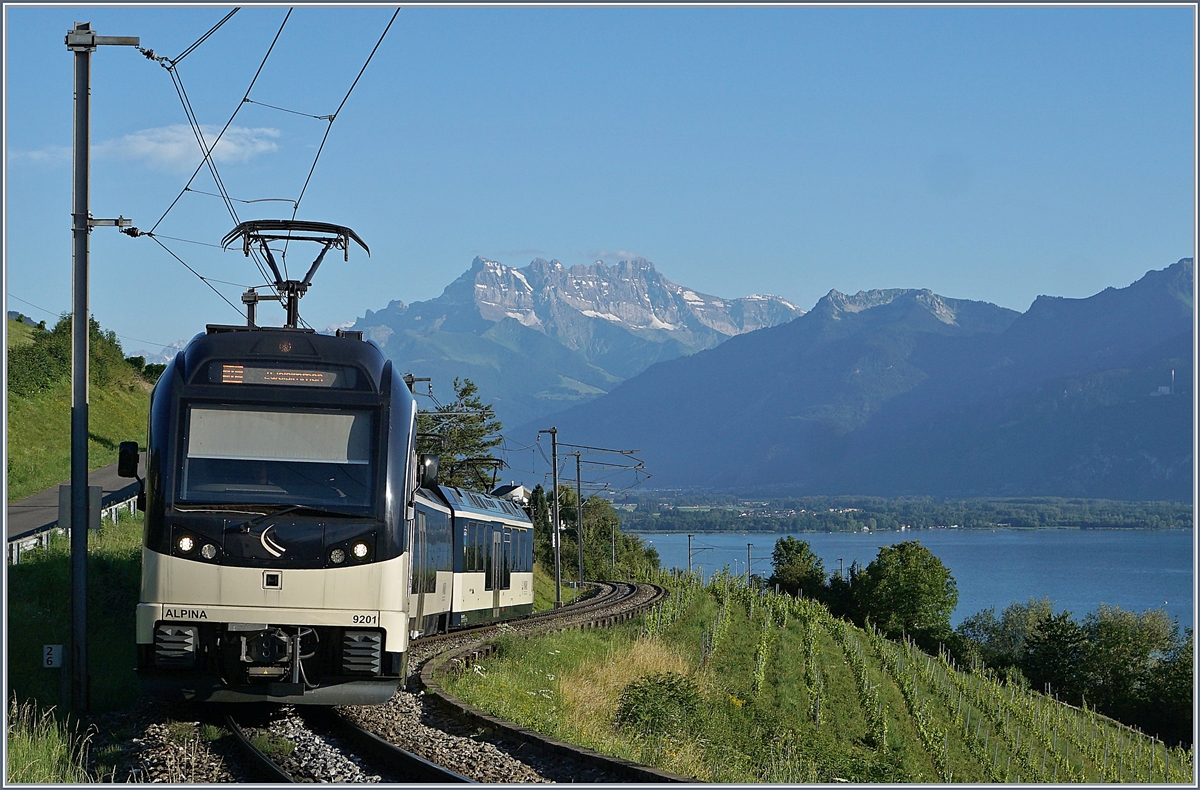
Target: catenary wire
<point>203,38</point>
<point>231,117</point>
<point>59,315</point>
<point>239,200</point>
<point>31,304</point>
<point>198,274</point>
<point>285,109</point>
<point>333,117</point>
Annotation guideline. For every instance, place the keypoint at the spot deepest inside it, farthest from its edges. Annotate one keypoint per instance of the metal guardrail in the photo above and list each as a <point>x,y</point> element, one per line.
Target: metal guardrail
<point>39,537</point>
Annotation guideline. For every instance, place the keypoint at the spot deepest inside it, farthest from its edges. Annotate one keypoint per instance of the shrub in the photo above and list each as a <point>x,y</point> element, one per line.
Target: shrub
<point>658,704</point>
<point>37,366</point>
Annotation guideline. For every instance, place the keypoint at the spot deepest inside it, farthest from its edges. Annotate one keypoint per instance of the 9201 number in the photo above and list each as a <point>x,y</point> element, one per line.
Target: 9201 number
<point>365,619</point>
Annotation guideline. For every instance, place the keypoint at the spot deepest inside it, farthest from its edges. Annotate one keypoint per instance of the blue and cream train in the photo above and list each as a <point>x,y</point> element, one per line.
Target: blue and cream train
<point>294,540</point>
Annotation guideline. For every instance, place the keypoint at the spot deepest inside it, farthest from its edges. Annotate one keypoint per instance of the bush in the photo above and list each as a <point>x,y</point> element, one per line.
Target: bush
<point>37,366</point>
<point>658,704</point>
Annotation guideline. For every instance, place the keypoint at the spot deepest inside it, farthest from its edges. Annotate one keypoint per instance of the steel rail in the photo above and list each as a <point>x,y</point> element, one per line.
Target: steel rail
<point>465,655</point>
<point>261,763</point>
<point>402,765</point>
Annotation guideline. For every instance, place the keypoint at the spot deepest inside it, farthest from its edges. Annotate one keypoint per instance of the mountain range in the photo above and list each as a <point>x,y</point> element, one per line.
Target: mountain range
<point>544,337</point>
<point>902,392</point>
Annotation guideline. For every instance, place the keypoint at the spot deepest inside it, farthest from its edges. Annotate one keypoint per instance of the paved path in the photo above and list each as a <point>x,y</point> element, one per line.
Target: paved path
<point>41,510</point>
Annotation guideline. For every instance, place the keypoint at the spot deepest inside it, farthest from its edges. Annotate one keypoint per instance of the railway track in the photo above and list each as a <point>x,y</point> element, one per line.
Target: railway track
<point>374,759</point>
<point>424,735</point>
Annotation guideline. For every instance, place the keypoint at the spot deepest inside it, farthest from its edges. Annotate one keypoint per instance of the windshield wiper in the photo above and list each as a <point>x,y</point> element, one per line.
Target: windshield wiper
<point>245,525</point>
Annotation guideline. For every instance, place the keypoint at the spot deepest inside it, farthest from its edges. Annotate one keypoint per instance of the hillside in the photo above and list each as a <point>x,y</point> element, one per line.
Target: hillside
<point>20,333</point>
<point>39,408</point>
<point>905,392</point>
<point>724,684</point>
<point>544,337</point>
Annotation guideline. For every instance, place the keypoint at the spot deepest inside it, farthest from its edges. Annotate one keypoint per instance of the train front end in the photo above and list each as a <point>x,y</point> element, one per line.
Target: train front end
<point>279,488</point>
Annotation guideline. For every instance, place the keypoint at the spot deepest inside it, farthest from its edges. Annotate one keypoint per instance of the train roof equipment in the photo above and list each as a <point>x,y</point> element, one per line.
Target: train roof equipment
<point>261,232</point>
<point>469,503</point>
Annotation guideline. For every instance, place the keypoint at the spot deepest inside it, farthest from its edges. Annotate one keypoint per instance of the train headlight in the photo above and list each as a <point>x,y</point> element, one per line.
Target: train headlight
<point>186,544</point>
<point>361,550</point>
<point>337,556</point>
<point>208,551</point>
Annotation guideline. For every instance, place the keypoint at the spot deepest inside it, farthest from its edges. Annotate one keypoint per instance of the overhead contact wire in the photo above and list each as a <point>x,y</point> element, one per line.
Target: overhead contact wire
<point>334,116</point>
<point>203,279</point>
<point>203,38</point>
<point>230,121</point>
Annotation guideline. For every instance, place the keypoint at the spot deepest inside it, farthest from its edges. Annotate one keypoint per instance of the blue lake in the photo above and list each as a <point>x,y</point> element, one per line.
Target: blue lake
<point>1077,569</point>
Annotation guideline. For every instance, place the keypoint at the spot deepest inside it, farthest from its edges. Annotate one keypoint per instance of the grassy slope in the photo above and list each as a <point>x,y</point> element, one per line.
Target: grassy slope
<point>39,428</point>
<point>19,333</point>
<point>39,613</point>
<point>543,589</point>
<point>568,686</point>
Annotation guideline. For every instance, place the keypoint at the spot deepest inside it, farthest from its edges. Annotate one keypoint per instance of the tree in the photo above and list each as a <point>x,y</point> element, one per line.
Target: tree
<point>1054,654</point>
<point>1168,709</point>
<point>601,527</point>
<point>1122,649</point>
<point>797,569</point>
<point>1001,640</point>
<point>463,433</point>
<point>907,589</point>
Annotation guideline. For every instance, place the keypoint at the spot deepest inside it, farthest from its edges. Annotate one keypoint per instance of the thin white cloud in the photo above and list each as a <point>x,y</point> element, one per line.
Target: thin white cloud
<point>175,148</point>
<point>608,255</point>
<point>50,154</point>
<point>172,148</point>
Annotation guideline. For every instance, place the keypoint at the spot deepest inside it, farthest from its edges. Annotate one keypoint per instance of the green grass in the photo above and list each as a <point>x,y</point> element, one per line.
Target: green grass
<point>19,333</point>
<point>39,614</point>
<point>42,750</point>
<point>750,659</point>
<point>543,589</point>
<point>272,745</point>
<point>39,432</point>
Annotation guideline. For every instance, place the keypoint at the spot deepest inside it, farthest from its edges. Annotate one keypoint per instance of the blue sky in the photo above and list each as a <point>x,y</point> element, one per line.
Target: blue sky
<point>984,153</point>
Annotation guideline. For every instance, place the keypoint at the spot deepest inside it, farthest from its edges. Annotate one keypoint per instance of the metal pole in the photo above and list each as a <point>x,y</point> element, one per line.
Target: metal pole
<point>79,377</point>
<point>557,525</point>
<point>82,40</point>
<point>748,545</point>
<point>554,536</point>
<point>579,520</point>
<point>689,553</point>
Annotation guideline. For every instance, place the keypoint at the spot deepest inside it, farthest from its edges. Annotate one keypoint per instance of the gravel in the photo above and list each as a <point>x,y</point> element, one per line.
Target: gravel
<point>316,757</point>
<point>406,722</point>
<point>159,742</point>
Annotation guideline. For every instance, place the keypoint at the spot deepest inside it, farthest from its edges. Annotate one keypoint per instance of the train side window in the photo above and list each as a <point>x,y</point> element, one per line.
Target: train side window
<point>506,560</point>
<point>418,554</point>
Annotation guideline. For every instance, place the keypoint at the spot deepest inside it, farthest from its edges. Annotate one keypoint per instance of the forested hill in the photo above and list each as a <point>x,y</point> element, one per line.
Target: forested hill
<point>666,512</point>
<point>895,393</point>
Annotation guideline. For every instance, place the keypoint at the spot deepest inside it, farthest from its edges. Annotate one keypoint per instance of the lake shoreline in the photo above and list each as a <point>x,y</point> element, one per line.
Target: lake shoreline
<point>1078,569</point>
<point>1064,527</point>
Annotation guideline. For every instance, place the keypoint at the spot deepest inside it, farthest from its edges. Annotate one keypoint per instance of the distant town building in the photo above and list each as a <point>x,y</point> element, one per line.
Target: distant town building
<point>513,492</point>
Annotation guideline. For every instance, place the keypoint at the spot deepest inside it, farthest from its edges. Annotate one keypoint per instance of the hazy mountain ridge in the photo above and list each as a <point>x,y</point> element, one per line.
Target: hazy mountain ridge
<point>904,391</point>
<point>539,338</point>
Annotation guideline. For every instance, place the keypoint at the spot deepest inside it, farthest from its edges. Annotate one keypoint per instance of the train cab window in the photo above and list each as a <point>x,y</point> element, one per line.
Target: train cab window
<point>253,454</point>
